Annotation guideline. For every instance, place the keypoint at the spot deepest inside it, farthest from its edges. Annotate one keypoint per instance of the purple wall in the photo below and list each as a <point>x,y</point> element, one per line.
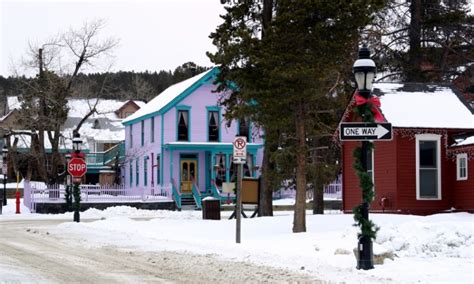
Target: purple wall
<point>198,101</point>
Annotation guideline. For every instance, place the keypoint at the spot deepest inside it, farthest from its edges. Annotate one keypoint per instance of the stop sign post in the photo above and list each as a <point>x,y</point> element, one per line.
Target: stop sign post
<point>77,167</point>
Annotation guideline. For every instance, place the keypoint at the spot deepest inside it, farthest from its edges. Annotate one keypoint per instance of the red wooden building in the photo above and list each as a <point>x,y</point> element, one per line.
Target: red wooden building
<point>425,168</point>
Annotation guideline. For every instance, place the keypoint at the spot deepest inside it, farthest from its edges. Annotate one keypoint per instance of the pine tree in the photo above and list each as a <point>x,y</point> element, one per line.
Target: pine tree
<point>285,79</point>
<point>423,40</point>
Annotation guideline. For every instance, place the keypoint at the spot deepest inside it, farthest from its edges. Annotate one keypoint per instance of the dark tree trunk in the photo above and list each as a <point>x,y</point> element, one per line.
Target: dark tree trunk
<point>266,16</point>
<point>266,184</point>
<point>318,198</point>
<point>413,73</point>
<point>266,187</point>
<point>299,221</point>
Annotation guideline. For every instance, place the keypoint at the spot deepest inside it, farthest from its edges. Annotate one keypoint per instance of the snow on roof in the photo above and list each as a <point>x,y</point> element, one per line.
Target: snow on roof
<point>422,105</point>
<point>464,142</point>
<point>104,126</point>
<point>165,97</point>
<point>13,103</point>
<point>24,141</point>
<point>105,108</point>
<point>139,103</point>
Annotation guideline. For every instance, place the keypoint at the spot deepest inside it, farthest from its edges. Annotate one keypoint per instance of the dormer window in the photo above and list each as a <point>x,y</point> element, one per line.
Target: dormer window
<point>183,125</point>
<point>96,124</point>
<point>213,126</point>
<point>244,129</point>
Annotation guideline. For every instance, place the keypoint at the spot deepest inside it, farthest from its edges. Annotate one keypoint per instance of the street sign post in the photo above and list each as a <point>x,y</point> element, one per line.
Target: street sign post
<point>239,158</point>
<point>365,131</point>
<point>240,150</point>
<point>77,167</point>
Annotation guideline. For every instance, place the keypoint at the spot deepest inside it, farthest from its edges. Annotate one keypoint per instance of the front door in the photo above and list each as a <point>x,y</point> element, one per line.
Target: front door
<point>188,172</point>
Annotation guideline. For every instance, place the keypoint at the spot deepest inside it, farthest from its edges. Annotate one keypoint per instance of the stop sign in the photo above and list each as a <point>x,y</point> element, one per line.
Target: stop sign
<point>77,167</point>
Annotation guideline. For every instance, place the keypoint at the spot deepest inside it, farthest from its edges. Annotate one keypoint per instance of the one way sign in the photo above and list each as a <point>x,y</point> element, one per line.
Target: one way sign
<point>365,131</point>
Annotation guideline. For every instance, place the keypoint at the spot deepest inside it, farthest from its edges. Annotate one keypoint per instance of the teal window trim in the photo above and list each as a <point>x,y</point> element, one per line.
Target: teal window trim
<point>152,128</point>
<point>137,172</point>
<point>131,174</point>
<point>209,110</point>
<point>145,171</point>
<point>142,134</point>
<point>188,109</point>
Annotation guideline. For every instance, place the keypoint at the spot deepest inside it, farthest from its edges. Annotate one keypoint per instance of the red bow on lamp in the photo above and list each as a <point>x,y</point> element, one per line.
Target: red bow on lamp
<point>374,101</point>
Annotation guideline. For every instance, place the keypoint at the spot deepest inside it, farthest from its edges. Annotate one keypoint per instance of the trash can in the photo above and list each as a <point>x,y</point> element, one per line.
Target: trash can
<point>211,208</point>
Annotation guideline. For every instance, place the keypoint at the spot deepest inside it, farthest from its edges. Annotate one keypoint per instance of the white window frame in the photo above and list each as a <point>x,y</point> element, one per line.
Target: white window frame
<point>460,157</point>
<point>372,155</point>
<point>437,139</point>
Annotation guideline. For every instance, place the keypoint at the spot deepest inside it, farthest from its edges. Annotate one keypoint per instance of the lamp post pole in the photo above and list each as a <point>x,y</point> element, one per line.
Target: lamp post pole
<point>5,173</point>
<point>364,71</point>
<point>76,144</point>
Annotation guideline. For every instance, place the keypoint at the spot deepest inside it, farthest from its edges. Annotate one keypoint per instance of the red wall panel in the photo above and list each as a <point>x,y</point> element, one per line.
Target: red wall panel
<point>463,190</point>
<point>395,180</point>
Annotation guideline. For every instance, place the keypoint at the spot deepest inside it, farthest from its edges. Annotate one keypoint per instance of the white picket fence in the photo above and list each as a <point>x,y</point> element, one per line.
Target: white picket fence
<point>40,193</point>
<point>331,191</point>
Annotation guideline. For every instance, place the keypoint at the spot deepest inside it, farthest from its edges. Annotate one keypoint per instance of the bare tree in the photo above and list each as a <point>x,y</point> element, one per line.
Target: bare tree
<point>43,100</point>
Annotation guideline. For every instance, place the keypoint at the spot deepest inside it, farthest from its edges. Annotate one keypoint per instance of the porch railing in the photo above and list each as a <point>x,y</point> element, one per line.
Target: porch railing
<point>106,157</point>
<point>197,195</point>
<point>330,191</point>
<point>40,193</point>
<point>176,195</point>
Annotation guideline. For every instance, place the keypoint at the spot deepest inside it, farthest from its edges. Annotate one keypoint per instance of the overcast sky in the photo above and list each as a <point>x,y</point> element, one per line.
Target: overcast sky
<point>154,35</point>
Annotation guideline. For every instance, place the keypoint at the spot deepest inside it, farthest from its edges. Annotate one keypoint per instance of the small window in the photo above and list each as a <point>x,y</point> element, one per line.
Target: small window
<point>213,126</point>
<point>145,171</point>
<point>244,128</point>
<point>220,168</point>
<point>248,166</point>
<point>143,133</point>
<point>96,124</point>
<point>428,177</point>
<point>137,173</point>
<point>461,166</point>
<point>370,165</point>
<point>152,129</point>
<point>131,174</point>
<point>131,135</point>
<point>183,122</point>
<point>158,171</point>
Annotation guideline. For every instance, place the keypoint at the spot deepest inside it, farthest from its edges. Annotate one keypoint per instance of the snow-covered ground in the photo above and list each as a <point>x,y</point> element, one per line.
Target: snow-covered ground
<point>437,248</point>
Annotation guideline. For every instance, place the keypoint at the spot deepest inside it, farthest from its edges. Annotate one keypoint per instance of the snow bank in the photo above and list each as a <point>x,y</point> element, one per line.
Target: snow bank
<point>431,237</point>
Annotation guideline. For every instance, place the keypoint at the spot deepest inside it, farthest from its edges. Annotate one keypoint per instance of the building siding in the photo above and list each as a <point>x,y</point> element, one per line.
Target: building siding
<point>464,189</point>
<point>407,180</point>
<point>395,179</point>
<point>198,102</point>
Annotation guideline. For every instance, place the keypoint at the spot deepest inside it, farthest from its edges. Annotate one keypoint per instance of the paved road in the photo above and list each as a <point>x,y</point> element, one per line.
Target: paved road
<point>28,253</point>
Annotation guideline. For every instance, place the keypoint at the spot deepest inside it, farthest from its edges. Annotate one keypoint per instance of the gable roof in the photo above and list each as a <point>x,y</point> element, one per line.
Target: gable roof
<point>168,97</point>
<point>423,106</point>
<point>137,104</point>
<point>464,142</point>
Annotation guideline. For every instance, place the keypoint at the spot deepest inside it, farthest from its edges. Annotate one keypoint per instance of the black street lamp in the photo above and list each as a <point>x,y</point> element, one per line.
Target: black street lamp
<point>364,72</point>
<point>68,188</point>
<point>4,172</point>
<point>76,146</point>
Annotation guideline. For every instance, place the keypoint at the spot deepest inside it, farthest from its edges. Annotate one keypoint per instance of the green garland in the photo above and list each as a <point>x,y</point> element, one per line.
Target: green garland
<point>68,198</point>
<point>76,192</point>
<point>367,227</point>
